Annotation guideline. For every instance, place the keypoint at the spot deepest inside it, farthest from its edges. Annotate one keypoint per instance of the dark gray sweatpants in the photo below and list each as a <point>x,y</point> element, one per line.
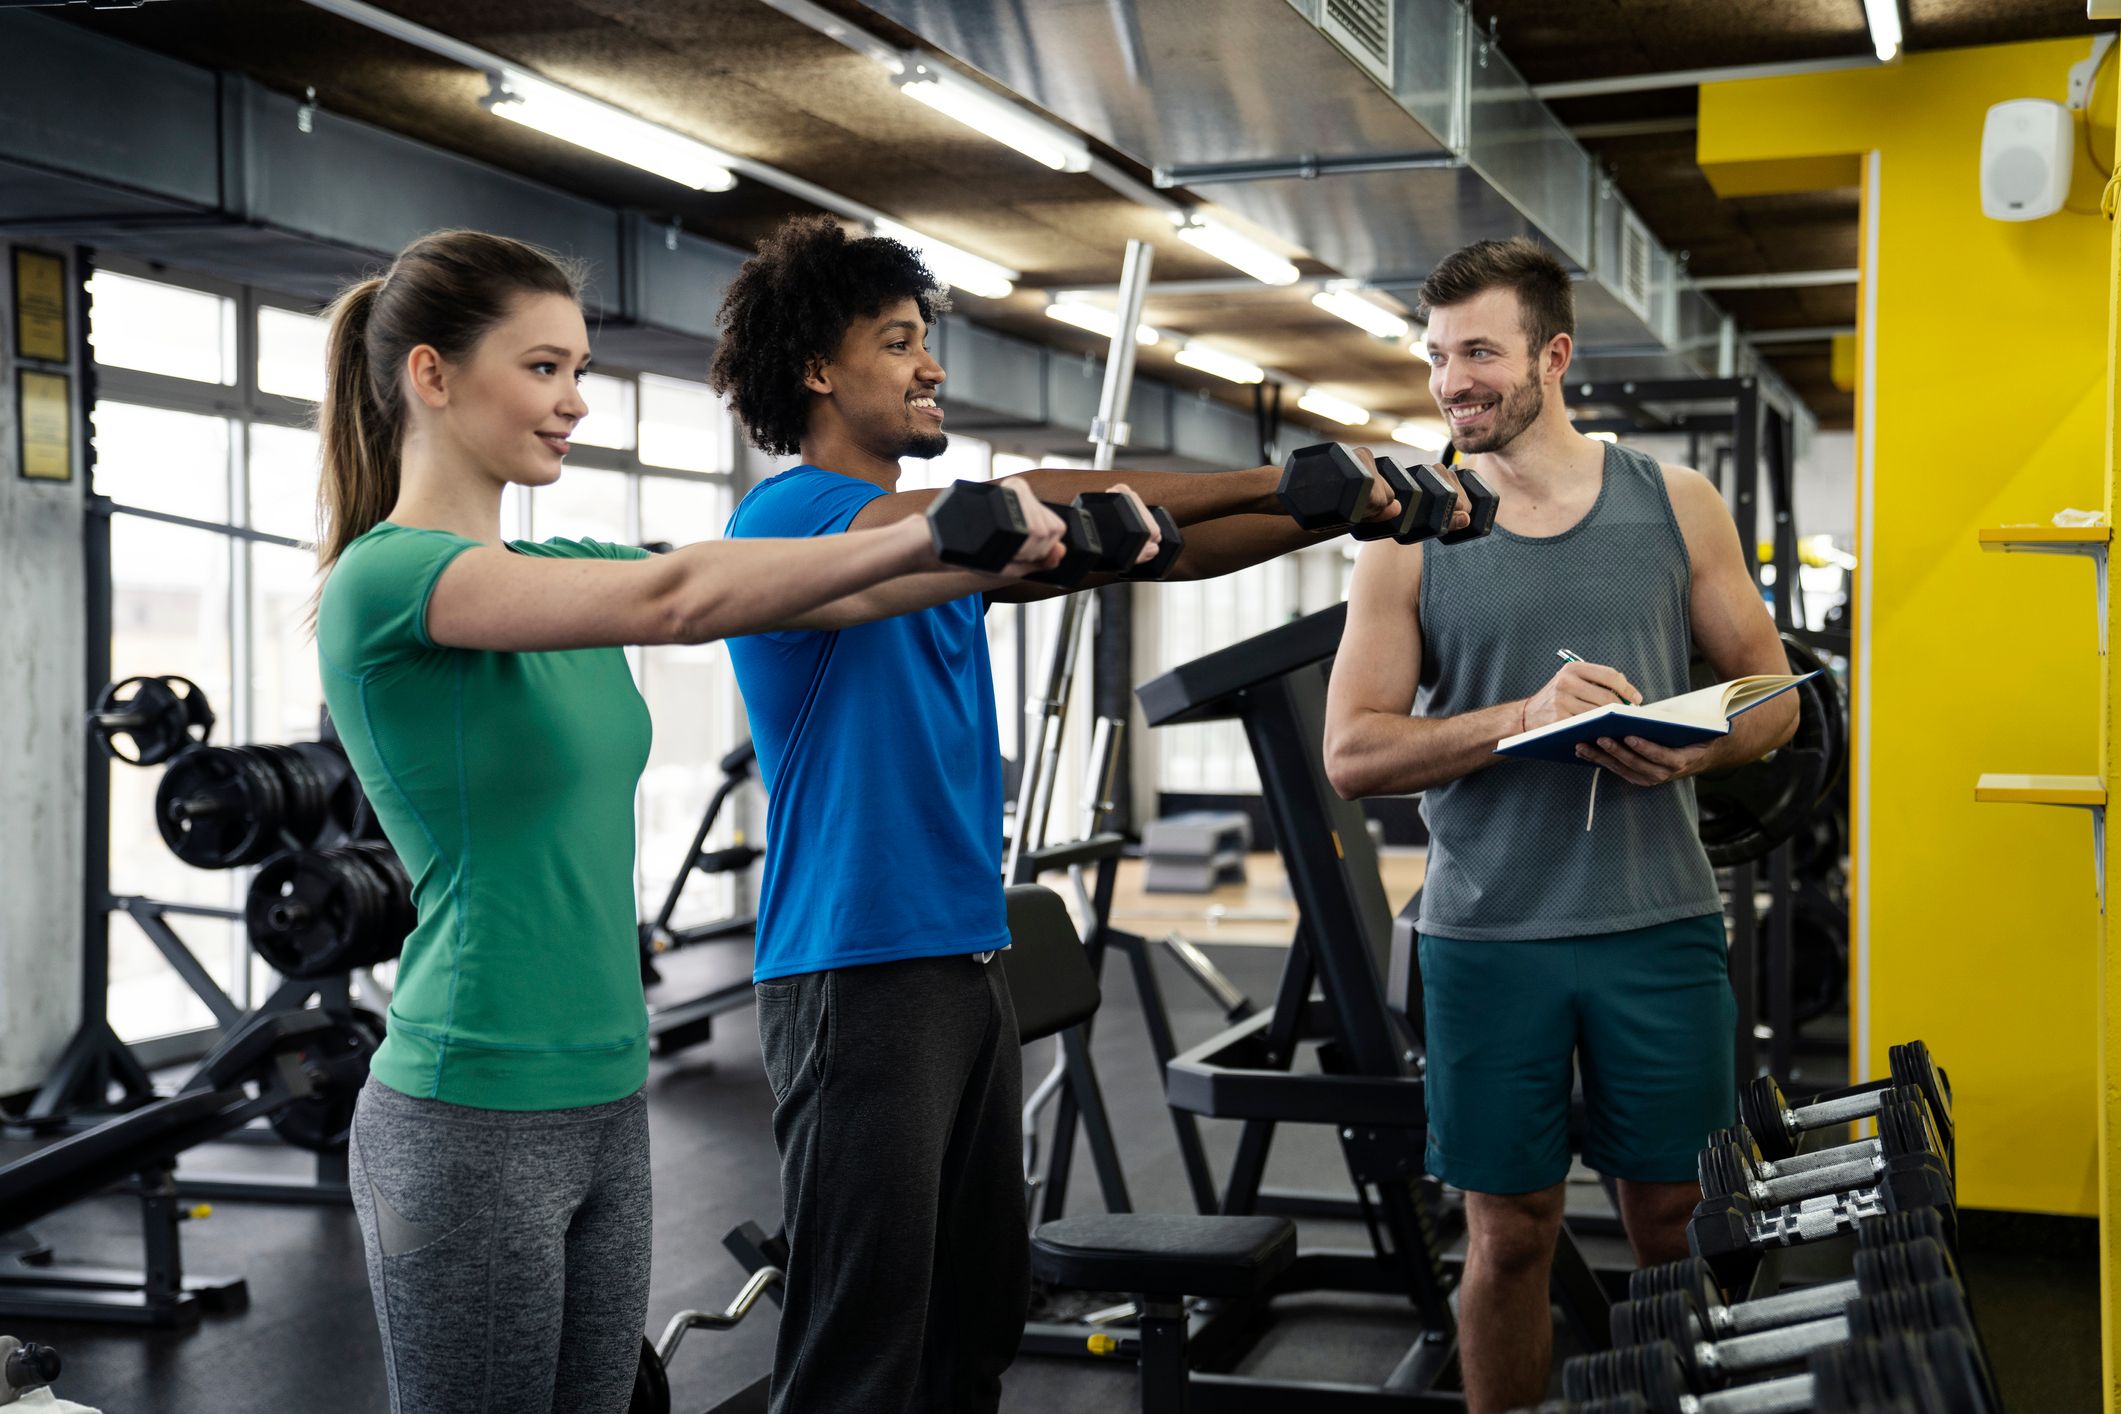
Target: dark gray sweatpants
<point>507,1252</point>
<point>899,1089</point>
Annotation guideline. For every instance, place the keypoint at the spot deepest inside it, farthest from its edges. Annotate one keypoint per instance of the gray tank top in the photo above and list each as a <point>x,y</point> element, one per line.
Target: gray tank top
<point>1509,857</point>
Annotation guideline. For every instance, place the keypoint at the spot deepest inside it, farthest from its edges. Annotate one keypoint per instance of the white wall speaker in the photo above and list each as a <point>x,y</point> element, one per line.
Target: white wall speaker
<point>2026,151</point>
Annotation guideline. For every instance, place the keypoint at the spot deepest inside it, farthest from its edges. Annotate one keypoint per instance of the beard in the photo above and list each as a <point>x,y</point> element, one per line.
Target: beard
<point>924,445</point>
<point>1516,411</point>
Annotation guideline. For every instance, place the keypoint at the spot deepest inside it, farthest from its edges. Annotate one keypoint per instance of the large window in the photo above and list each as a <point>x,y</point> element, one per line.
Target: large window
<point>204,443</point>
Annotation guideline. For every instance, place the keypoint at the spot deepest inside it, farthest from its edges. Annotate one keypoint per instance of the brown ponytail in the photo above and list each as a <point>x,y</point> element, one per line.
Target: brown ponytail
<point>445,290</point>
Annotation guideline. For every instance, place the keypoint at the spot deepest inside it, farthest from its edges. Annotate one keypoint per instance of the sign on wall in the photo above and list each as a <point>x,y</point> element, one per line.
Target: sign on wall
<point>44,410</point>
<point>40,306</point>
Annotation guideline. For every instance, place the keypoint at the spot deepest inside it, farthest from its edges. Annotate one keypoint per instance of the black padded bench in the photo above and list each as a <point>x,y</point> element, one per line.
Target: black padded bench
<point>1161,1258</point>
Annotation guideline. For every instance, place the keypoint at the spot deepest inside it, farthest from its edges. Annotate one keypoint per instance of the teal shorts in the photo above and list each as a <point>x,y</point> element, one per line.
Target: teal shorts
<point>1649,1016</point>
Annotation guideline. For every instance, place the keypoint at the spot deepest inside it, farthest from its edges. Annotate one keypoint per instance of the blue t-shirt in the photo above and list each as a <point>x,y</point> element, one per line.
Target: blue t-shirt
<point>881,757</point>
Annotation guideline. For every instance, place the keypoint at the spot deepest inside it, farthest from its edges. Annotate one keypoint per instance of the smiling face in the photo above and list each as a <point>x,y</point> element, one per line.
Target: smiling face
<point>509,409</point>
<point>1483,373</point>
<point>884,384</point>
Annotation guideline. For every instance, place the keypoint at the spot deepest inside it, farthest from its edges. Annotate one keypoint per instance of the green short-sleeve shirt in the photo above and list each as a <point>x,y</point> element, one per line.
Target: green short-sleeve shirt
<point>505,781</point>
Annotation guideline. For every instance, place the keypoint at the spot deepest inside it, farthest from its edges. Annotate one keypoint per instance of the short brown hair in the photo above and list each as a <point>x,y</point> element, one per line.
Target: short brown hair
<point>1545,293</point>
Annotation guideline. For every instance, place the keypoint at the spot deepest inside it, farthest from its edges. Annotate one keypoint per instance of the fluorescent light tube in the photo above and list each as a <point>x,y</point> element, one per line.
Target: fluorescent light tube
<point>1096,318</point>
<point>1220,364</point>
<point>1884,18</point>
<point>607,131</point>
<point>1337,409</point>
<point>1603,436</point>
<point>994,117</point>
<point>1425,434</point>
<point>1232,249</point>
<point>1370,318</point>
<point>952,266</point>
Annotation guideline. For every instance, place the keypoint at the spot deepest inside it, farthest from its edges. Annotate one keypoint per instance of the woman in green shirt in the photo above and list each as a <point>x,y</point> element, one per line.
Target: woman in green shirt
<point>500,1155</point>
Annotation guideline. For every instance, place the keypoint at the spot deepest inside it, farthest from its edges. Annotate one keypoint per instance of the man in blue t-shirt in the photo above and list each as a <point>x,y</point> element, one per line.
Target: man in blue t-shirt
<point>889,1041</point>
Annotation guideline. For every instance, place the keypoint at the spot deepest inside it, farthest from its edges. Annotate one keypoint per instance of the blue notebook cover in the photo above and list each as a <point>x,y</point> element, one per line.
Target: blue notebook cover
<point>1558,742</point>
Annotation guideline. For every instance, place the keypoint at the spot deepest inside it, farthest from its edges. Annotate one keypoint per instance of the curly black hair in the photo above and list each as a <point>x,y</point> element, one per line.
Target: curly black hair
<point>790,305</point>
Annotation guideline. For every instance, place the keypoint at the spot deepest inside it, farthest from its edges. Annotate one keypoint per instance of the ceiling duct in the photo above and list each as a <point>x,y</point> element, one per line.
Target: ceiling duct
<point>1310,95</point>
<point>1363,30</point>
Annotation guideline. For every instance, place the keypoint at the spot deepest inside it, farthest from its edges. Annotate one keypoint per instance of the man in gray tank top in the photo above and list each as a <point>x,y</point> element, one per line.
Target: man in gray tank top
<point>1552,935</point>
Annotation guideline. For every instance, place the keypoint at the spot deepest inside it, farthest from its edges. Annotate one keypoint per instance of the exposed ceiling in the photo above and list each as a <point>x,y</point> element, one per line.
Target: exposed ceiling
<point>753,81</point>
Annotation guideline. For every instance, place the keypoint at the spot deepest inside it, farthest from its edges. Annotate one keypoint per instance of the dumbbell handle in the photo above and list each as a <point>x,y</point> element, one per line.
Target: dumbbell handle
<point>1834,1178</point>
<point>1784,1308</point>
<point>1765,1350</point>
<point>1792,1394</point>
<point>1840,1109</point>
<point>1819,1159</point>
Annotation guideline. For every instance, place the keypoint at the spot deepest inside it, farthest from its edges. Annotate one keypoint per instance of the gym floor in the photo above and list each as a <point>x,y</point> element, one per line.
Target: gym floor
<point>308,1341</point>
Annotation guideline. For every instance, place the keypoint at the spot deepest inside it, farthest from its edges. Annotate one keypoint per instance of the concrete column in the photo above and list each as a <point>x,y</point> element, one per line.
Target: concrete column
<point>41,821</point>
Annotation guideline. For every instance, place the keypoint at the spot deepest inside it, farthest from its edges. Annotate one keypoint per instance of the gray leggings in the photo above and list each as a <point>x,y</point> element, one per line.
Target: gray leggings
<point>507,1252</point>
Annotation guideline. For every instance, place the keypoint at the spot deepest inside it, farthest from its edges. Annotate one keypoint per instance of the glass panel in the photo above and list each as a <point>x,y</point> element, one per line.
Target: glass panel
<point>283,480</point>
<point>681,512</point>
<point>162,461</point>
<point>291,353</point>
<point>584,504</point>
<point>285,692</point>
<point>611,412</point>
<point>691,697</point>
<point>169,614</point>
<point>683,425</point>
<point>160,328</point>
<point>147,998</point>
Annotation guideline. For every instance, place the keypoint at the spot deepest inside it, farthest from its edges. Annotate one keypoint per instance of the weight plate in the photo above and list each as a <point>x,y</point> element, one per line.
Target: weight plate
<point>1762,1106</point>
<point>651,1383</point>
<point>341,1057</point>
<point>218,807</point>
<point>1744,812</point>
<point>1819,956</point>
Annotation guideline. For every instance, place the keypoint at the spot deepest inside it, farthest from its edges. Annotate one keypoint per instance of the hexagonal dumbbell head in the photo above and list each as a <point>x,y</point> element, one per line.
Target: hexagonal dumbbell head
<point>1122,530</point>
<point>1324,486</point>
<point>976,524</point>
<point>1080,547</point>
<point>1481,503</point>
<point>1170,541</point>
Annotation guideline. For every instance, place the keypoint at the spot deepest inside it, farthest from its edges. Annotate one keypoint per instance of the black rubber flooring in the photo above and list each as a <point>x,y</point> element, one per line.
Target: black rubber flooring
<point>307,1342</point>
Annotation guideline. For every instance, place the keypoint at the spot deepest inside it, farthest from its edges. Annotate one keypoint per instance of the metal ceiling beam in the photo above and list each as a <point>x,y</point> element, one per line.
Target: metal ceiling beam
<point>1798,336</point>
<point>1689,78</point>
<point>1306,167</point>
<point>1641,127</point>
<point>1778,280</point>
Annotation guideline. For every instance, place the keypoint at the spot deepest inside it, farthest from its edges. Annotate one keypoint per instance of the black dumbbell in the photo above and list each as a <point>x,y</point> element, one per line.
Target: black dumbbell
<point>1122,530</point>
<point>1720,1344</point>
<point>1727,1168</point>
<point>1927,1372</point>
<point>978,525</point>
<point>1778,1123</point>
<point>144,721</point>
<point>1170,541</point>
<point>1902,1264</point>
<point>1481,505</point>
<point>1667,1370</point>
<point>1082,549</point>
<point>1323,487</point>
<point>1728,1227</point>
<point>1741,1138</point>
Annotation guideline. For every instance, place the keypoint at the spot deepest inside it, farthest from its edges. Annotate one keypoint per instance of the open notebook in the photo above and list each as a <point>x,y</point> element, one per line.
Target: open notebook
<point>1691,717</point>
